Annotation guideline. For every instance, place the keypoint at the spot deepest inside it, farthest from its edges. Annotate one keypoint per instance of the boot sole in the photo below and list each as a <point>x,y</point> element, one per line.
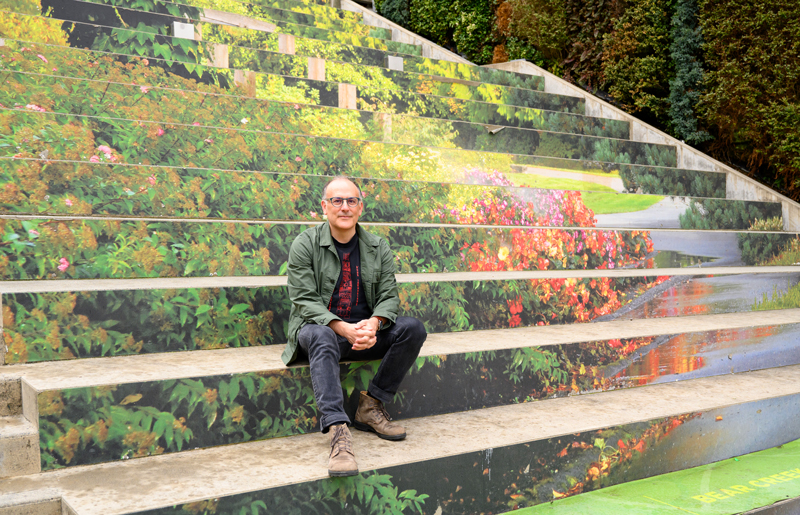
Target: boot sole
<point>369,429</point>
<point>342,473</point>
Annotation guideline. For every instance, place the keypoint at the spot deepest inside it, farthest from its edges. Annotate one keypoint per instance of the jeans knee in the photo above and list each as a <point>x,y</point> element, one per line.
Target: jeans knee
<point>318,339</point>
<point>414,329</point>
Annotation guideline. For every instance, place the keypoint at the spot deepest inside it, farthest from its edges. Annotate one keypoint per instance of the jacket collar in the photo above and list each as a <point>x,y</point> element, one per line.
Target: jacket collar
<point>326,240</point>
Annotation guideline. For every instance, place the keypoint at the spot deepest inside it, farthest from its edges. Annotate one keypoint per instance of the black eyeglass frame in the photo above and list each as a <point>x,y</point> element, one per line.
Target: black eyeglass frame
<point>351,201</point>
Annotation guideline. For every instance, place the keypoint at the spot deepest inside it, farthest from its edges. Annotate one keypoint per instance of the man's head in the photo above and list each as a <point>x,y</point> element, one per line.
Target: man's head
<point>342,218</point>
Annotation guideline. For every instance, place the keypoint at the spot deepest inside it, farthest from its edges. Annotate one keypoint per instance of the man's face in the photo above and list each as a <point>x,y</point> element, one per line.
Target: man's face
<point>342,218</point>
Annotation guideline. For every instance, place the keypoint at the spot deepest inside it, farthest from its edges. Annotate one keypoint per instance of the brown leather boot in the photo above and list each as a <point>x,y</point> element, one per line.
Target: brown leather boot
<point>342,462</point>
<point>372,416</point>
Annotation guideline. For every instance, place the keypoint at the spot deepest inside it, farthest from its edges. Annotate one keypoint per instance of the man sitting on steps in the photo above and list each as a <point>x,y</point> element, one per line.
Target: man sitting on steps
<point>344,307</point>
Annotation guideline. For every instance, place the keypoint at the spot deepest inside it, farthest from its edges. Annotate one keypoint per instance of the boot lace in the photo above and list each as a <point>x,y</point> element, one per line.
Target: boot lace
<point>340,441</point>
<point>383,411</point>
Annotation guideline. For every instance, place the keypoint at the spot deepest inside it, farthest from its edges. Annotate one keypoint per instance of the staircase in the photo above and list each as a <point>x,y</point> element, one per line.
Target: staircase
<point>600,311</point>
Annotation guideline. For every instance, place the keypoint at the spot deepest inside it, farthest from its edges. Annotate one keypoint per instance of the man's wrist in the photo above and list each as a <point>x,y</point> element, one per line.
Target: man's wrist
<point>381,322</point>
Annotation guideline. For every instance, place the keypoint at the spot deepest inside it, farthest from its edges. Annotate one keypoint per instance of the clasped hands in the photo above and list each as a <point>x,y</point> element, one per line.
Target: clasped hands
<point>361,335</point>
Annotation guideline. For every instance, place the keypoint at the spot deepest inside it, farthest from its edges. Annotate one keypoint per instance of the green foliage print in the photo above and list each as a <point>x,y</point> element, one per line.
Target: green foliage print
<point>713,214</point>
<point>96,424</point>
<point>369,493</point>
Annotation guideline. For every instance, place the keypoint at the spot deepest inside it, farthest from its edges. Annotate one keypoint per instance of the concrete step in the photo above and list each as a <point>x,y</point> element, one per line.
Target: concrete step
<point>237,14</point>
<point>263,84</point>
<point>251,395</point>
<point>483,459</point>
<point>250,58</point>
<point>115,99</point>
<point>19,447</point>
<point>217,29</point>
<point>61,320</point>
<point>169,193</point>
<point>463,136</point>
<point>167,247</point>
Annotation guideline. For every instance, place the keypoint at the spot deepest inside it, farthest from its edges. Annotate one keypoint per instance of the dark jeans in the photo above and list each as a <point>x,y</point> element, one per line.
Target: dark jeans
<point>397,347</point>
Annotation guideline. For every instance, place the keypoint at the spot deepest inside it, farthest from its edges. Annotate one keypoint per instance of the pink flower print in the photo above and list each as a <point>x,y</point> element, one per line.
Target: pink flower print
<point>296,106</point>
<point>269,128</point>
<point>55,69</point>
<point>313,214</point>
<point>104,149</point>
<point>64,264</point>
<point>145,61</point>
<point>152,180</point>
<point>68,202</point>
<point>196,124</point>
<point>94,159</point>
<point>209,140</point>
<point>298,159</point>
<point>160,132</point>
<point>43,58</point>
<point>33,232</point>
<point>34,107</point>
<point>144,89</point>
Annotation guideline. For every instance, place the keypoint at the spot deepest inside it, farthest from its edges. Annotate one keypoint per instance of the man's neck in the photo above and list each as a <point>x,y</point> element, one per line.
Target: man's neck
<point>343,236</point>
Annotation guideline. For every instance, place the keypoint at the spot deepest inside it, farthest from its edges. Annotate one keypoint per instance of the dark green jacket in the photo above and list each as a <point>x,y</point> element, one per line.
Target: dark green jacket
<point>314,268</point>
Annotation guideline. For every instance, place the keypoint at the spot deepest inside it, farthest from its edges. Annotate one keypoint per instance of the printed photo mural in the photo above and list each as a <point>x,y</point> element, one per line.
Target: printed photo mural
<point>501,479</point>
<point>126,152</point>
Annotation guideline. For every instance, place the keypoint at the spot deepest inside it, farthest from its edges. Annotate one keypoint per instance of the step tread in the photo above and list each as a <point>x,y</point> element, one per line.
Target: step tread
<point>16,426</point>
<point>174,365</point>
<point>202,474</point>
<point>160,283</point>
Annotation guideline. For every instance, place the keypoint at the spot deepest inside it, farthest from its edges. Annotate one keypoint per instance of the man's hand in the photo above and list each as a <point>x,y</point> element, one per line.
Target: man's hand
<point>360,335</point>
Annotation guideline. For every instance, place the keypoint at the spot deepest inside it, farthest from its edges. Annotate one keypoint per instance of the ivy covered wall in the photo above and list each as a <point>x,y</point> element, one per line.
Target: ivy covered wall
<point>721,75</point>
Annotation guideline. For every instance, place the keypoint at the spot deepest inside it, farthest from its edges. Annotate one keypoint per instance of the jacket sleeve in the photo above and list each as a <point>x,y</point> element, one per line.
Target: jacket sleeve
<point>303,285</point>
<point>387,302</point>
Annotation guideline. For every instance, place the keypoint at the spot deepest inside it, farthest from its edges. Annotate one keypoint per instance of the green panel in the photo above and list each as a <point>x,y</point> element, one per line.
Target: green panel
<point>727,487</point>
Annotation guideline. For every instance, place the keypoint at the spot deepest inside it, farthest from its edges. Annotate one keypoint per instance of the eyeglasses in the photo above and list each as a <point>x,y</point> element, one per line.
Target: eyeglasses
<point>338,201</point>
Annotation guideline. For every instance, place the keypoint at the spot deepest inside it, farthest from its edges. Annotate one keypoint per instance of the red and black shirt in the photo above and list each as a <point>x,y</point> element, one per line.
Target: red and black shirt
<point>348,301</point>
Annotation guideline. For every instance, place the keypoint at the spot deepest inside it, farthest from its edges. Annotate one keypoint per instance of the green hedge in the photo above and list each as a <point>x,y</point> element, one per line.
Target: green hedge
<point>719,74</point>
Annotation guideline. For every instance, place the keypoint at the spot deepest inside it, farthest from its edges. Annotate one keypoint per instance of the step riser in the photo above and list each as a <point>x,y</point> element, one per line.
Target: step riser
<point>10,398</point>
<point>403,133</point>
<point>177,193</point>
<point>312,149</point>
<point>19,457</point>
<point>263,84</point>
<point>503,478</point>
<point>124,322</point>
<point>275,403</point>
<point>264,18</point>
<point>62,249</point>
<point>248,58</point>
<point>105,99</point>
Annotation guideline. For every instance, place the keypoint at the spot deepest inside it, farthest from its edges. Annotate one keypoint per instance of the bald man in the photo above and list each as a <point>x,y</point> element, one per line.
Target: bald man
<point>344,308</point>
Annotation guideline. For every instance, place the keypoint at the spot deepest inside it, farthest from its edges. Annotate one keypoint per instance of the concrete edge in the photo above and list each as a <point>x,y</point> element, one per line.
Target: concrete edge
<point>739,185</point>
<point>46,501</point>
<point>244,281</point>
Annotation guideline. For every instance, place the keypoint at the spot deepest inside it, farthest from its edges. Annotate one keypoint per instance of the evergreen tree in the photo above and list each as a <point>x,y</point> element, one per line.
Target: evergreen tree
<point>686,88</point>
